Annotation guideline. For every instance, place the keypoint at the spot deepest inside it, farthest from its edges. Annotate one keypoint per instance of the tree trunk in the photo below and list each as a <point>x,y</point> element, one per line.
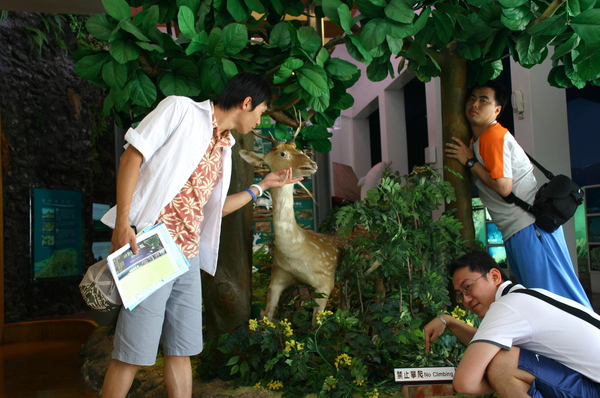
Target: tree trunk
<point>454,124</point>
<point>227,295</point>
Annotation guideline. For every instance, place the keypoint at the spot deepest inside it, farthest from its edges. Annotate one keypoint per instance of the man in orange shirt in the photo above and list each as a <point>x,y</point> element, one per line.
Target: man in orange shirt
<point>537,258</point>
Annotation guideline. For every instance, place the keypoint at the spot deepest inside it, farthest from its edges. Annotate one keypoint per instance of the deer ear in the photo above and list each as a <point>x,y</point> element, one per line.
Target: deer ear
<point>255,159</point>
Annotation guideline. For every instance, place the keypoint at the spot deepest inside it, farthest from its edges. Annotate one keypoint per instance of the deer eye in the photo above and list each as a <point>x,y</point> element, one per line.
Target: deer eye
<point>282,154</point>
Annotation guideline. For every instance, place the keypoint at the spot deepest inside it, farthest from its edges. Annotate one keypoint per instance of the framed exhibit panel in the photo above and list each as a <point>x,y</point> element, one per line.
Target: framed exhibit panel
<point>56,233</point>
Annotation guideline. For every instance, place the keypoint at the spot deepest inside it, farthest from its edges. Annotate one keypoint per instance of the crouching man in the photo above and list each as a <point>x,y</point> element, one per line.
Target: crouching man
<point>524,345</point>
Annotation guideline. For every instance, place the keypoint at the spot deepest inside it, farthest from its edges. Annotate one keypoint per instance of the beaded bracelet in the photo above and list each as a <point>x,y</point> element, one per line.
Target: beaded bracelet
<point>260,190</point>
<point>251,193</point>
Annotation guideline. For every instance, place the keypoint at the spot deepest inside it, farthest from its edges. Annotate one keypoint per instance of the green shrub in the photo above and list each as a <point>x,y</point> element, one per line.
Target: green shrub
<point>379,319</point>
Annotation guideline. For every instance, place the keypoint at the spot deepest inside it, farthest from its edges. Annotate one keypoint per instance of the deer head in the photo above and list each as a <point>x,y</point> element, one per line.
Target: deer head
<point>283,155</point>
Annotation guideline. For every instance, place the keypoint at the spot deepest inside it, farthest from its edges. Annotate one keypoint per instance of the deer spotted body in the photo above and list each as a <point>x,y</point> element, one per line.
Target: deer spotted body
<point>300,256</point>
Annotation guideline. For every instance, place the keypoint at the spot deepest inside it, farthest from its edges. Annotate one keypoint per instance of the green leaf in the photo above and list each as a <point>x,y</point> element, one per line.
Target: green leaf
<point>238,10</point>
<point>370,10</point>
<point>373,34</point>
<point>313,79</point>
<point>100,26</point>
<point>151,19</point>
<point>400,11</point>
<point>490,71</point>
<point>377,71</point>
<point>198,43</point>
<point>184,66</point>
<point>143,91</point>
<point>330,9</point>
<point>186,22</point>
<point>395,45</point>
<point>444,26</point>
<point>131,28</point>
<point>118,9</point>
<point>173,84</point>
<point>90,67</point>
<point>235,38</point>
<point>558,78</point>
<point>193,5</point>
<point>398,30</point>
<point>315,132</point>
<point>587,25</point>
<point>470,51</point>
<point>345,18</point>
<point>321,146</point>
<point>150,47</point>
<point>479,3</point>
<point>255,5</point>
<point>114,74</point>
<point>513,3</point>
<point>551,27</point>
<point>357,51</point>
<point>280,35</point>
<point>576,7</point>
<point>229,68</point>
<point>340,68</point>
<point>516,18</point>
<point>345,102</point>
<point>215,43</point>
<point>124,51</point>
<point>566,47</point>
<point>309,39</point>
<point>588,68</point>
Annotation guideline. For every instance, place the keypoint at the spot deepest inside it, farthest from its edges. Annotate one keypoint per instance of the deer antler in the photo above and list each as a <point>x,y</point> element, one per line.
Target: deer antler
<point>271,138</point>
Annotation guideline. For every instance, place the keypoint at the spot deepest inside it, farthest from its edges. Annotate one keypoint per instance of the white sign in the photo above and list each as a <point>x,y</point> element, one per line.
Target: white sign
<point>423,374</point>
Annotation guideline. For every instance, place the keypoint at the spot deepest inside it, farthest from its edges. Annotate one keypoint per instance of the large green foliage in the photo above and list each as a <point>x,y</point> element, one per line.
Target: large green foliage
<point>380,320</point>
<point>482,31</point>
<point>215,40</point>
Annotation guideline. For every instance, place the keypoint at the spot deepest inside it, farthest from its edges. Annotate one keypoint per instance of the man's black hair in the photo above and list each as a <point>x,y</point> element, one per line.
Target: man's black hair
<point>244,85</point>
<point>499,93</point>
<point>477,261</point>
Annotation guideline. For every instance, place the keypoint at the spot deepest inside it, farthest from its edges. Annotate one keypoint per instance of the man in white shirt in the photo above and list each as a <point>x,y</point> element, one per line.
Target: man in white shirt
<point>524,345</point>
<point>176,170</point>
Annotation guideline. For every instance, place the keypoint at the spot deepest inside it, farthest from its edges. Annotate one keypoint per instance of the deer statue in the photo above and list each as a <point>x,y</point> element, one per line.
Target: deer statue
<point>300,255</point>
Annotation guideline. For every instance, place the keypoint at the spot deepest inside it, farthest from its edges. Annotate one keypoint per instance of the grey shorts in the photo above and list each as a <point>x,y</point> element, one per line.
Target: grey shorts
<point>172,314</point>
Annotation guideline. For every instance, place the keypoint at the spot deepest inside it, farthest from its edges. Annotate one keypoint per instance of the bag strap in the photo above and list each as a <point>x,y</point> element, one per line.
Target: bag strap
<point>546,172</point>
<point>512,198</point>
<point>558,304</point>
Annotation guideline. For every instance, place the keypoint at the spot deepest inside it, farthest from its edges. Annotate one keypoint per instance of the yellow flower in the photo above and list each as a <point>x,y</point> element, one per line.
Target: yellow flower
<point>343,359</point>
<point>275,385</point>
<point>299,346</point>
<point>459,313</point>
<point>373,394</point>
<point>287,328</point>
<point>321,315</point>
<point>253,325</point>
<point>468,322</point>
<point>330,383</point>
<point>258,385</point>
<point>268,323</point>
<point>289,345</point>
<point>360,382</point>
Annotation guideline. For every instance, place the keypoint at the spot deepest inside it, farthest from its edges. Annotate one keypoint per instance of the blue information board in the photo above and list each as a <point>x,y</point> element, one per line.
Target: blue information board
<point>56,233</point>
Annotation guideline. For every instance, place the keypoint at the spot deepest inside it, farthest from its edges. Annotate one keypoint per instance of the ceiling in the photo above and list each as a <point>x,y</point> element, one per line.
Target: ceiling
<point>88,7</point>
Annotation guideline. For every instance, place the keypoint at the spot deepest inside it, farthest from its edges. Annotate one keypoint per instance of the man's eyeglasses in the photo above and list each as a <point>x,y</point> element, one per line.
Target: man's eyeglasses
<point>466,290</point>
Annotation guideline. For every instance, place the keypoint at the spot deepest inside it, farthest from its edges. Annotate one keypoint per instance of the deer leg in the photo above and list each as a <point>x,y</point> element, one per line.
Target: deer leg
<point>280,280</point>
<point>322,302</point>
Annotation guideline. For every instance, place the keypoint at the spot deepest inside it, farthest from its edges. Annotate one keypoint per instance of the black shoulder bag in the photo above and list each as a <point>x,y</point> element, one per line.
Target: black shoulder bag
<point>555,202</point>
<point>565,307</point>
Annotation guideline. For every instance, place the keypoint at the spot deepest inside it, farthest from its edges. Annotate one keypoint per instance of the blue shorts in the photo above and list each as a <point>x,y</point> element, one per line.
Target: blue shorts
<point>172,314</point>
<point>555,380</point>
<point>540,259</point>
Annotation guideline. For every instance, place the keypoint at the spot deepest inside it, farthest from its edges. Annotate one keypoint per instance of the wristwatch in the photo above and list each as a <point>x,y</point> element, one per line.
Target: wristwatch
<point>471,162</point>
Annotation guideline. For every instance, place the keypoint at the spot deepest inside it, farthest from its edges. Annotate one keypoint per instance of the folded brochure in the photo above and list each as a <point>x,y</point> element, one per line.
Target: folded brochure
<point>159,261</point>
